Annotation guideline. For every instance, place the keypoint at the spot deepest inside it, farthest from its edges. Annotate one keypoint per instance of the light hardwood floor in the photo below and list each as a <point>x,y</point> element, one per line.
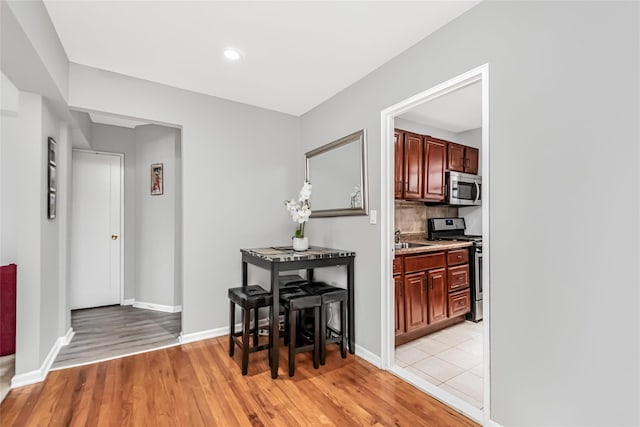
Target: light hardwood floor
<point>106,332</point>
<point>198,384</point>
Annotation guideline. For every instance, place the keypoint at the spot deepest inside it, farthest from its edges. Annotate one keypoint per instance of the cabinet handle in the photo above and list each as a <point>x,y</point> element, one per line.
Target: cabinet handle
<point>459,256</point>
<point>406,186</point>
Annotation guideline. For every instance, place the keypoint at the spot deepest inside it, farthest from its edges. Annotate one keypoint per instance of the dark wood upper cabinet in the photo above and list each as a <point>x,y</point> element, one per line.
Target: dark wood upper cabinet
<point>434,160</point>
<point>437,295</point>
<point>413,166</point>
<point>398,144</point>
<point>415,301</point>
<point>455,157</point>
<point>471,160</point>
<point>461,158</point>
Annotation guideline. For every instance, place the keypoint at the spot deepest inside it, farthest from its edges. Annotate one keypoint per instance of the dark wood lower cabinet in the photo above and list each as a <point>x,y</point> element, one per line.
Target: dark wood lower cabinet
<point>399,301</point>
<point>431,293</point>
<point>415,301</point>
<point>437,295</point>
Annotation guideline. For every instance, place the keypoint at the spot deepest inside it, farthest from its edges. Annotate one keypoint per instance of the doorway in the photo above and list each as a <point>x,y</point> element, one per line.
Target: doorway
<point>476,76</point>
<point>143,312</point>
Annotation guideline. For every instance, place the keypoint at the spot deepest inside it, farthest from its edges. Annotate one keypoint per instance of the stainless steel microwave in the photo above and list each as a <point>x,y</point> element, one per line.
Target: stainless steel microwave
<point>464,189</point>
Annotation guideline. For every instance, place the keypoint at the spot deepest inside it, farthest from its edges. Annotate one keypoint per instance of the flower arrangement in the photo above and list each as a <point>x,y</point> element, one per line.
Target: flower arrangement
<point>301,209</point>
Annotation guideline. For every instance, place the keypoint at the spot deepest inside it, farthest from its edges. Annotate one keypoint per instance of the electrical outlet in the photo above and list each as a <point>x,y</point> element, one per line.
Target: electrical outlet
<point>373,216</point>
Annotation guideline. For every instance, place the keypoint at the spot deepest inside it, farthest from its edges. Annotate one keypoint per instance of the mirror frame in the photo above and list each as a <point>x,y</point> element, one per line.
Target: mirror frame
<point>357,137</point>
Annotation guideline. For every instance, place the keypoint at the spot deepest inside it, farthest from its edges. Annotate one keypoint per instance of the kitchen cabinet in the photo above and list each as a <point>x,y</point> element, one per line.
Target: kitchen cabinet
<point>435,155</point>
<point>398,145</point>
<point>437,291</point>
<point>399,302</point>
<point>413,175</point>
<point>431,292</point>
<point>415,301</point>
<point>420,164</point>
<point>461,158</point>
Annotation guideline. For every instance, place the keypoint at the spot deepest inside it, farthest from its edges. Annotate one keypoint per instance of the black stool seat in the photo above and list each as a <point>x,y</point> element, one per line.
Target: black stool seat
<point>330,294</point>
<point>248,298</point>
<point>295,300</point>
<point>291,280</point>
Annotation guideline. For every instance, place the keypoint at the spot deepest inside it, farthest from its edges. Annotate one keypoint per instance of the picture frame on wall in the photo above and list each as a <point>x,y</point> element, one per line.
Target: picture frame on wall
<point>51,209</point>
<point>51,178</point>
<point>157,182</point>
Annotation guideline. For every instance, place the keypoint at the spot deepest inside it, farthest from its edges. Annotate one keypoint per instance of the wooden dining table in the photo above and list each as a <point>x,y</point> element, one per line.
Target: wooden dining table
<point>276,259</point>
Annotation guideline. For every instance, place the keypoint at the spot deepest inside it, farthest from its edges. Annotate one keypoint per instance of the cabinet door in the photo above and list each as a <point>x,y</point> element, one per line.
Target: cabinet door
<point>398,144</point>
<point>437,295</point>
<point>413,166</point>
<point>399,296</point>
<point>435,155</point>
<point>455,157</point>
<point>415,301</point>
<point>471,160</point>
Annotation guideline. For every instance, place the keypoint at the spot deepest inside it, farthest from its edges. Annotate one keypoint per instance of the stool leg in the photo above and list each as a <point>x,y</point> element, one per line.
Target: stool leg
<point>232,327</point>
<point>316,336</point>
<point>256,313</point>
<point>292,342</point>
<point>271,348</point>
<point>343,329</point>
<point>323,333</point>
<point>286,327</point>
<point>246,325</point>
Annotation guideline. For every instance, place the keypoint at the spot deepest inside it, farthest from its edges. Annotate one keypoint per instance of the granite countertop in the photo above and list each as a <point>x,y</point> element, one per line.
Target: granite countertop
<point>286,253</point>
<point>433,245</point>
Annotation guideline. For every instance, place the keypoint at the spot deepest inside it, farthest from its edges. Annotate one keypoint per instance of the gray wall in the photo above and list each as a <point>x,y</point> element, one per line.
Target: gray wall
<point>563,115</point>
<point>237,167</point>
<point>115,139</point>
<point>156,216</point>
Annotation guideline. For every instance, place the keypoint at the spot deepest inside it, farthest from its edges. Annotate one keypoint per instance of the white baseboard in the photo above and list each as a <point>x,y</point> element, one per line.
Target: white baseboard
<point>39,375</point>
<point>493,424</point>
<point>365,354</point>
<point>129,301</point>
<point>203,335</point>
<point>157,307</point>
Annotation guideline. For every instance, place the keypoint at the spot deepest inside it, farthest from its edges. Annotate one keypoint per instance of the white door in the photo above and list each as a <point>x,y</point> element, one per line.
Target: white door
<point>95,230</point>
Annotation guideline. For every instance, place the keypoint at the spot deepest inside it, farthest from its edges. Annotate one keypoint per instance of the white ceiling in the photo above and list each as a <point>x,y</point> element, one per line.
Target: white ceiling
<point>457,111</point>
<point>297,54</point>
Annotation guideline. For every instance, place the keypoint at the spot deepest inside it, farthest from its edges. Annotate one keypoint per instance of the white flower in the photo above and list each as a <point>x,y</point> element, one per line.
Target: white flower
<point>300,211</point>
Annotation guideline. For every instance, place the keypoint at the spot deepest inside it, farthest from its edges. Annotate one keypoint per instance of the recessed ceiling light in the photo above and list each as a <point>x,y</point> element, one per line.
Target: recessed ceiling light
<point>232,54</point>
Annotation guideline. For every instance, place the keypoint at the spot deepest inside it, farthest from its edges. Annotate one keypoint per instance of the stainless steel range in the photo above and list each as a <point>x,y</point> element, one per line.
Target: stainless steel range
<point>453,229</point>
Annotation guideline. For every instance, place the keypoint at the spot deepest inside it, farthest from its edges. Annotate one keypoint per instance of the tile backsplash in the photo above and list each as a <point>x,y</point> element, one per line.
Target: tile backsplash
<point>411,217</point>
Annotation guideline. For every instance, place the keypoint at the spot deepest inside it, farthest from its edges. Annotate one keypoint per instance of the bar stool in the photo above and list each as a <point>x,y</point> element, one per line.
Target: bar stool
<point>248,298</point>
<point>330,294</point>
<point>288,280</point>
<point>294,301</point>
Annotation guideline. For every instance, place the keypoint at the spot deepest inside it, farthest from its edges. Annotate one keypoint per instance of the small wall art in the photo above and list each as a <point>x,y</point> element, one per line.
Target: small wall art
<point>157,183</point>
<point>51,178</point>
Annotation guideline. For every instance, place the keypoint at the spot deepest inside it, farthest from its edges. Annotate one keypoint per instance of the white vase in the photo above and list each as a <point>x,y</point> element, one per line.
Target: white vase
<point>300,243</point>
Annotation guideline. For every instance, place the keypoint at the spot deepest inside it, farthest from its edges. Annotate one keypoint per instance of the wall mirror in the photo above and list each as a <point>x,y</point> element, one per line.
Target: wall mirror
<point>338,173</point>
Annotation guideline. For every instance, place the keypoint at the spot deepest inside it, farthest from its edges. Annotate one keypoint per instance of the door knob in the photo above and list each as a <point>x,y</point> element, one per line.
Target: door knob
<point>114,237</point>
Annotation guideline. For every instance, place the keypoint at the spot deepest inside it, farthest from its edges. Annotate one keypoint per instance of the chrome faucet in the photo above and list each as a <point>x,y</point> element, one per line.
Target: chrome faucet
<point>397,236</point>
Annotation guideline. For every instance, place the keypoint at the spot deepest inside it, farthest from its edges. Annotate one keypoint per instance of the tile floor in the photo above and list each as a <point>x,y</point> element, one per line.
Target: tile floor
<point>450,358</point>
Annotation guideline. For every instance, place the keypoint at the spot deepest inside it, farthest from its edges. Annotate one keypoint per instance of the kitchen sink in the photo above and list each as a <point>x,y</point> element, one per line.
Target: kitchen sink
<point>405,245</point>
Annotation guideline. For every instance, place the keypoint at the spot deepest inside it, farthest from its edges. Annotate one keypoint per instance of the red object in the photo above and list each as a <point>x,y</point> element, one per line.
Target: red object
<point>7,309</point>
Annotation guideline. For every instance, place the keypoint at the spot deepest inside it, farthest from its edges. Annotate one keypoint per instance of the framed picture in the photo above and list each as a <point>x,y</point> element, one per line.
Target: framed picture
<point>51,178</point>
<point>157,184</point>
<point>52,151</point>
<point>51,209</point>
